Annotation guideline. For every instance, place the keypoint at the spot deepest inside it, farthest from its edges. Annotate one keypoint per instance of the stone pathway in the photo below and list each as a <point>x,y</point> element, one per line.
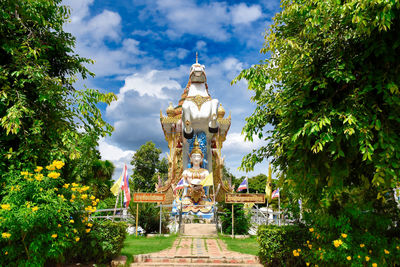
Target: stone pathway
<point>196,251</point>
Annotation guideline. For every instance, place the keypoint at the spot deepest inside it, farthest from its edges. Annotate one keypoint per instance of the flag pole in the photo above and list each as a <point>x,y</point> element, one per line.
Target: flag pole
<point>247,184</point>
<point>279,205</point>
<point>116,202</point>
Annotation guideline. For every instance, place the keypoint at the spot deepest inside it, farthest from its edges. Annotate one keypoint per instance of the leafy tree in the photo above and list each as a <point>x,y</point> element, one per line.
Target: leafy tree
<point>330,89</point>
<point>42,116</point>
<point>146,167</point>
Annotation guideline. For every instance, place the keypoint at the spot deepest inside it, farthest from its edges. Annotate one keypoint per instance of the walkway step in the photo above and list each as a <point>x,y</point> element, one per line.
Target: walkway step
<point>196,252</point>
<point>199,230</point>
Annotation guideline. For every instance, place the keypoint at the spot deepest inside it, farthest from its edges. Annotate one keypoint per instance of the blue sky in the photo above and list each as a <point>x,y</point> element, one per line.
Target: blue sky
<point>143,51</point>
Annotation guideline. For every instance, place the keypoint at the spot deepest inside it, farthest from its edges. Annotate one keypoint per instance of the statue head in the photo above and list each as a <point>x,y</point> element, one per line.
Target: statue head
<point>196,156</point>
<point>197,72</point>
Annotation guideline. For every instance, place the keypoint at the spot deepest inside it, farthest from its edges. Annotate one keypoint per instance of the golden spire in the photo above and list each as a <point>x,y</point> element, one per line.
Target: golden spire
<point>197,58</point>
<point>221,111</point>
<point>170,110</point>
<point>196,148</point>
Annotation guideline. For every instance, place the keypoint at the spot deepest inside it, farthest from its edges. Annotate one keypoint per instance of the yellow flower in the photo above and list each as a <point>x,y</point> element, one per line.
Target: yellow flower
<point>75,231</point>
<point>337,243</point>
<point>39,177</point>
<point>366,258</point>
<point>5,235</point>
<point>88,230</point>
<point>387,251</point>
<point>54,175</point>
<point>298,250</point>
<point>6,252</point>
<point>59,225</point>
<point>66,185</point>
<point>97,200</point>
<point>35,208</point>
<point>72,196</point>
<point>307,263</point>
<point>310,246</point>
<point>344,235</point>
<point>71,200</point>
<point>58,164</point>
<point>75,184</point>
<point>55,189</point>
<point>84,196</point>
<point>359,256</point>
<point>5,206</point>
<point>348,258</point>
<point>71,221</point>
<point>38,169</point>
<point>89,224</point>
<point>295,253</point>
<point>77,239</point>
<point>362,245</point>
<point>397,247</point>
<point>24,173</point>
<point>50,168</point>
<point>374,264</point>
<point>92,197</point>
<point>54,235</point>
<point>311,230</point>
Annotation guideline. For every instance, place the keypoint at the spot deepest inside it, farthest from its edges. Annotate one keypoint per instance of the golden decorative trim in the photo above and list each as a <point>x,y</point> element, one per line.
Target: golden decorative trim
<point>169,120</point>
<point>198,100</point>
<point>222,121</point>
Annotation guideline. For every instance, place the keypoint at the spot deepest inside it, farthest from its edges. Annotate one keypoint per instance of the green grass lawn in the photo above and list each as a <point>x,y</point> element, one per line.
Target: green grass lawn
<point>242,245</point>
<point>142,245</point>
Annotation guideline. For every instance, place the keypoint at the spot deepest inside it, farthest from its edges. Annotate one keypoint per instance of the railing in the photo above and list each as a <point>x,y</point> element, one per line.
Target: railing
<point>108,214</point>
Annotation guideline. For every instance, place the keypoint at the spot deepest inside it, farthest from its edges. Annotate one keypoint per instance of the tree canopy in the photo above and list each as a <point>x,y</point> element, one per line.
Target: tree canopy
<point>147,165</point>
<point>42,115</point>
<point>330,89</point>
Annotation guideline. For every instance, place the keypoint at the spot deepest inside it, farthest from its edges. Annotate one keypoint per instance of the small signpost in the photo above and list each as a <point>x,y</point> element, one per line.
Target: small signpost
<point>147,198</point>
<point>242,198</point>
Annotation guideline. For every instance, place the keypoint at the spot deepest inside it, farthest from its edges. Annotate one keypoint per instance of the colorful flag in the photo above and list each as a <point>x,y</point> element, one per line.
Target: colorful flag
<point>268,186</point>
<point>116,186</point>
<point>125,187</point>
<point>243,185</point>
<point>275,194</point>
<point>208,180</point>
<point>180,185</point>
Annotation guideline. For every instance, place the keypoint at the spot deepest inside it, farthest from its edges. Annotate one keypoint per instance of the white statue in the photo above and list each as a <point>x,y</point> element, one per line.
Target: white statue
<point>194,192</point>
<point>199,111</point>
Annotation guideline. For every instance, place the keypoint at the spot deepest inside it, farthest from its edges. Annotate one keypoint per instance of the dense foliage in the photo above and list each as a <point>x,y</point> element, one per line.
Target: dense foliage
<point>42,116</point>
<point>41,216</point>
<point>149,217</point>
<point>241,219</point>
<point>102,244</point>
<point>330,89</point>
<point>280,245</point>
<point>146,168</point>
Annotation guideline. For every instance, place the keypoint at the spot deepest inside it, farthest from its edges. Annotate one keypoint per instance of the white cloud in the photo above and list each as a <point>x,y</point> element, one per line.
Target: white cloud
<point>243,14</point>
<point>235,144</point>
<point>116,155</point>
<point>201,46</point>
<point>151,83</point>
<point>179,53</point>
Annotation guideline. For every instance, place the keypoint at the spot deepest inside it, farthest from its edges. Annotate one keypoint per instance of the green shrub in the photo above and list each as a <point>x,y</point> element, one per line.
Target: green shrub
<point>149,217</point>
<point>103,243</point>
<point>279,245</point>
<point>241,219</point>
<point>41,216</point>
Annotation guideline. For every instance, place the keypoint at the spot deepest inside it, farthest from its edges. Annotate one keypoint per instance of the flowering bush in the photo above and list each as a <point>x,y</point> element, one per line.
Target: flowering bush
<point>281,245</point>
<point>41,216</point>
<point>103,243</point>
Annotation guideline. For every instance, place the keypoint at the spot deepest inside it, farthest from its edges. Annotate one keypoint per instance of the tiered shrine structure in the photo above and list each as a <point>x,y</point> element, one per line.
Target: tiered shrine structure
<point>195,130</point>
